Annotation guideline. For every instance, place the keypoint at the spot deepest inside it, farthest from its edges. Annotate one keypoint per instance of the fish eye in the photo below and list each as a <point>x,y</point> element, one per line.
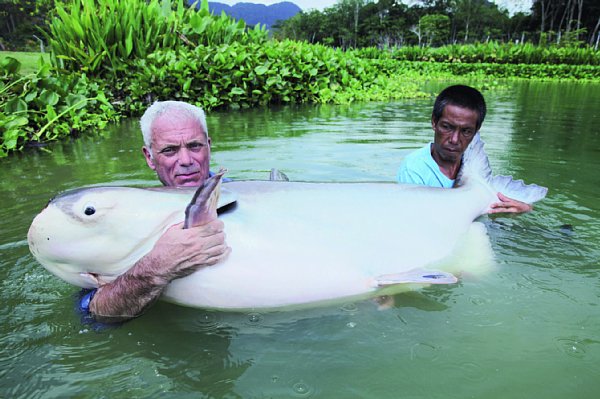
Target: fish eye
<point>89,210</point>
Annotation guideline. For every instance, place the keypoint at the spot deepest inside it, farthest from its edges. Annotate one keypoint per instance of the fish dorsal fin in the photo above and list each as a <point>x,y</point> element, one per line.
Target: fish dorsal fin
<point>277,175</point>
<point>416,276</point>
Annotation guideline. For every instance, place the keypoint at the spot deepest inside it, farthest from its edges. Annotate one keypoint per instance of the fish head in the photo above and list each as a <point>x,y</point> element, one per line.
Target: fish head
<point>92,235</point>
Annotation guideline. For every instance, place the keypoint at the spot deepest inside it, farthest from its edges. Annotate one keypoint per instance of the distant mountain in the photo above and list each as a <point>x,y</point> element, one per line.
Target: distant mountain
<point>253,13</point>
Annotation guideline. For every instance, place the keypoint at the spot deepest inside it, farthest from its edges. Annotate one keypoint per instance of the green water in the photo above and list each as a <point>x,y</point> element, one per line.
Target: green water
<point>529,329</point>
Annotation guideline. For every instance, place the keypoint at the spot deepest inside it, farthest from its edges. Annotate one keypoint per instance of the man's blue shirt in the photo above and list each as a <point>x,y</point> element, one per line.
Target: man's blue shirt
<point>419,167</point>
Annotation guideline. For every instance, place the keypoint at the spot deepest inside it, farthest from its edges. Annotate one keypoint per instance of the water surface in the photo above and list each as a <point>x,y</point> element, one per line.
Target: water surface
<point>529,329</point>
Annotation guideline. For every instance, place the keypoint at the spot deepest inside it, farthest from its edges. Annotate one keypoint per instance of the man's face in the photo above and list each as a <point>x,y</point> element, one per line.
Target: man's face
<point>454,131</point>
<point>180,150</point>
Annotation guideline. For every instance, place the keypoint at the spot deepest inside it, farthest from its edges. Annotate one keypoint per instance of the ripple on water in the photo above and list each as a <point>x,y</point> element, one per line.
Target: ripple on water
<point>572,346</point>
<point>424,351</point>
<point>207,321</point>
<point>283,388</point>
<point>479,300</point>
<point>349,307</point>
<point>472,372</point>
<point>547,282</point>
<point>255,319</point>
<point>301,389</point>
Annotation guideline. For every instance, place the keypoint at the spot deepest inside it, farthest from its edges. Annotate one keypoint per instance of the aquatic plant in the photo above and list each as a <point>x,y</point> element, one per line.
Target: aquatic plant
<point>43,106</point>
<point>99,36</point>
<point>492,52</point>
<point>245,75</point>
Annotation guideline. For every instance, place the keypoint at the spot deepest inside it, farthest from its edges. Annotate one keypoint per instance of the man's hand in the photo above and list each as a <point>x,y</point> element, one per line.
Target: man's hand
<point>509,205</point>
<point>177,253</point>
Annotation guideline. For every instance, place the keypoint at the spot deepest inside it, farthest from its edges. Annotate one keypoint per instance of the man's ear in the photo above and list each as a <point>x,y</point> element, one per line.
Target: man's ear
<point>148,156</point>
<point>433,122</point>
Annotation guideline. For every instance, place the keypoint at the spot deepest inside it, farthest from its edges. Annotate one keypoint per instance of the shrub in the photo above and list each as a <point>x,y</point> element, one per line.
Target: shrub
<point>42,106</point>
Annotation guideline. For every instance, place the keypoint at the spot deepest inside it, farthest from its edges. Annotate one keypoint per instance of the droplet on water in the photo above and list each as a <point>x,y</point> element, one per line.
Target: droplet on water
<point>255,318</point>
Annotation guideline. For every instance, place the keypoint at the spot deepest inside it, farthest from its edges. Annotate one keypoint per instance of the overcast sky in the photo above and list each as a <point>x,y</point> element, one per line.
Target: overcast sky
<point>513,5</point>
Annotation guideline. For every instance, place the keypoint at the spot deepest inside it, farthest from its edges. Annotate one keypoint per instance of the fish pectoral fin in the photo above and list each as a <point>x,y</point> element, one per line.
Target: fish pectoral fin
<point>203,206</point>
<point>92,279</point>
<point>416,276</point>
<point>95,280</point>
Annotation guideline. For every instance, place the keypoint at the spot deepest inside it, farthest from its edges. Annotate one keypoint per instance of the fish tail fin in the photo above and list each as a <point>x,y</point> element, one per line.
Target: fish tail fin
<point>203,206</point>
<point>476,165</point>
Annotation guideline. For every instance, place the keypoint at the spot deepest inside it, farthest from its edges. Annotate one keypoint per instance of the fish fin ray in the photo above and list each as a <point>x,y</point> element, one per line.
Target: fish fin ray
<point>517,189</point>
<point>418,276</point>
<point>203,206</point>
<point>94,280</point>
<point>476,165</point>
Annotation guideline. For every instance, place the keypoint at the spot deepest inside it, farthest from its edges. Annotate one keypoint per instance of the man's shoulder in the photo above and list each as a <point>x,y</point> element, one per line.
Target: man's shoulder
<point>414,169</point>
<point>418,156</point>
<point>419,167</point>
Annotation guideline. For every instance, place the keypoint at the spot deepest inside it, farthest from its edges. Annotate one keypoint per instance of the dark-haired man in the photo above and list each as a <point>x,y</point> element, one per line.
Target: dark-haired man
<point>458,114</point>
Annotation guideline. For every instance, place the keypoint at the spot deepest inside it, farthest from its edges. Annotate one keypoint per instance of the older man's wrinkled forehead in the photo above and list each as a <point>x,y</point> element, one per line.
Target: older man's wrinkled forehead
<point>173,119</point>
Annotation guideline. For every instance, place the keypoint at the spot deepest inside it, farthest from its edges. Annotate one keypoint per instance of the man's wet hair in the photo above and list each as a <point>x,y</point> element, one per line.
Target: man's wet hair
<point>460,96</point>
<point>162,107</point>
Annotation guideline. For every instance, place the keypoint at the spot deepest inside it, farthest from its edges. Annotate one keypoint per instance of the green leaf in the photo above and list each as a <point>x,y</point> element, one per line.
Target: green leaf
<point>77,101</point>
<point>15,105</point>
<point>261,70</point>
<point>49,97</point>
<point>187,84</point>
<point>17,122</point>
<point>31,96</point>
<point>50,113</point>
<point>129,42</point>
<point>10,65</point>
<point>10,139</point>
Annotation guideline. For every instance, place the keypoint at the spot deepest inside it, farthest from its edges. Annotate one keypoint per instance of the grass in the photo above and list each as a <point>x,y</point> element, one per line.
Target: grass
<point>29,60</point>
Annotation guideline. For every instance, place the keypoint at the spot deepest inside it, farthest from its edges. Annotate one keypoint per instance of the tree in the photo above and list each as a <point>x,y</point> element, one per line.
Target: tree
<point>22,22</point>
<point>382,24</point>
<point>555,19</point>
<point>464,12</point>
<point>435,28</point>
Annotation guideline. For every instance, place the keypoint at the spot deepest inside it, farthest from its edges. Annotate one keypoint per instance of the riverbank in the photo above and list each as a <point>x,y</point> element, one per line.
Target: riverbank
<point>29,60</point>
<point>40,103</point>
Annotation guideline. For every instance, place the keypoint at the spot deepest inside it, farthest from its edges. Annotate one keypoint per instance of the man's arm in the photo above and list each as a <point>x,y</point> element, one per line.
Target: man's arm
<point>509,205</point>
<point>176,254</point>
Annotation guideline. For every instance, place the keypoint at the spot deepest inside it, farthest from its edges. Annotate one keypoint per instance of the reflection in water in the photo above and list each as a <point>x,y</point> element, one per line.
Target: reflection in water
<point>529,326</point>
